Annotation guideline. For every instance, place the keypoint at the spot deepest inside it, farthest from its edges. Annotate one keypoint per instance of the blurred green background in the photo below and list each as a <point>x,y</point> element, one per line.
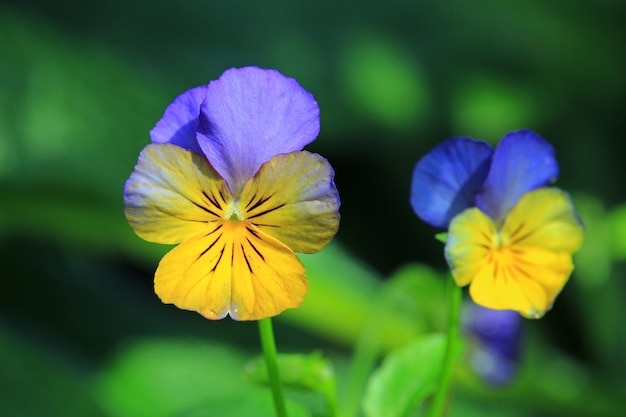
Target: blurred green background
<point>83,82</point>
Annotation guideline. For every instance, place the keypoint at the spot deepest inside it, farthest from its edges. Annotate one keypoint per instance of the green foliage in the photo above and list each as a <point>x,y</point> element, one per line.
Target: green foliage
<point>34,380</point>
<point>385,82</point>
<point>310,372</point>
<point>406,377</point>
<point>442,237</point>
<point>617,232</point>
<point>485,108</point>
<point>182,378</point>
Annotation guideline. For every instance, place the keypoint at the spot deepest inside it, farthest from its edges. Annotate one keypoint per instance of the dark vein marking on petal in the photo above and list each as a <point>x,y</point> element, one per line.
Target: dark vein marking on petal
<point>266,211</point>
<point>486,237</point>
<point>218,259</point>
<point>246,258</point>
<point>218,227</point>
<point>254,232</point>
<point>212,199</point>
<point>205,209</point>
<point>256,250</point>
<point>516,231</point>
<point>259,202</point>
<point>523,237</point>
<point>266,225</point>
<point>221,194</point>
<point>521,271</point>
<point>208,248</point>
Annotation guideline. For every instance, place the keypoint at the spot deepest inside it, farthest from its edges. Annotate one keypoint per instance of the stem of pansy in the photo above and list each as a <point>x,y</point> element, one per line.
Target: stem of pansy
<point>454,308</point>
<point>268,343</point>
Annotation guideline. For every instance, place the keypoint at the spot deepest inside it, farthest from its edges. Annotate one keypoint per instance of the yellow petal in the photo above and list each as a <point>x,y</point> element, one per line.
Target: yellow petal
<point>471,237</point>
<point>544,218</point>
<point>293,199</point>
<point>172,194</point>
<point>231,268</point>
<point>196,275</point>
<point>267,276</point>
<point>550,269</point>
<point>525,280</point>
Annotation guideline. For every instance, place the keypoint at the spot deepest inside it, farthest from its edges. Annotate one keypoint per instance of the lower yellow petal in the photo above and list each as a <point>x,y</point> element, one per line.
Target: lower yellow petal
<point>267,276</point>
<point>502,285</point>
<point>527,281</point>
<point>196,275</point>
<point>231,268</point>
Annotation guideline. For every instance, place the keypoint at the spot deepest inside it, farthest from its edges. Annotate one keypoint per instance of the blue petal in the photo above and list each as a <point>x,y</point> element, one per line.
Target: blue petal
<point>180,121</point>
<point>522,161</point>
<point>446,180</point>
<point>499,336</point>
<point>251,114</point>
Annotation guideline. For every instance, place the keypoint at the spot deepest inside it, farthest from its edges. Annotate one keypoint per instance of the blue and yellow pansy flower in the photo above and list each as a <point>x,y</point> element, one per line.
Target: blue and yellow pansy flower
<point>226,178</point>
<point>510,235</point>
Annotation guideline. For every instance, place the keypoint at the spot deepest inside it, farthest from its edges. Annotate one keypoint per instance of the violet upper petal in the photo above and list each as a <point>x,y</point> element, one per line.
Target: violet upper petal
<point>522,161</point>
<point>251,114</point>
<point>446,180</point>
<point>180,121</point>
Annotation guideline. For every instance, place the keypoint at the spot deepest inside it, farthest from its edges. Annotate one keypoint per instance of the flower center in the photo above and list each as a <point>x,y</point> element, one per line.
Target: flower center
<point>233,212</point>
<point>502,255</point>
<point>501,240</point>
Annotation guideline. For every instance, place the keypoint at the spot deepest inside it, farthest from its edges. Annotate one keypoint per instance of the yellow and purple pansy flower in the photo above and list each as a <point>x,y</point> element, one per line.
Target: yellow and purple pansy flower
<point>510,236</point>
<point>226,178</point>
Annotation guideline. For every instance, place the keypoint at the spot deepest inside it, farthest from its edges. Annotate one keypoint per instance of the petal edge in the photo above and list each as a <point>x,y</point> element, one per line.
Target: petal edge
<point>446,180</point>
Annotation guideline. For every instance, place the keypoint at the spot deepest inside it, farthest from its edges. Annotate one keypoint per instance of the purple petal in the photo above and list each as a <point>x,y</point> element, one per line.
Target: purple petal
<point>180,121</point>
<point>499,335</point>
<point>446,180</point>
<point>522,161</point>
<point>251,114</point>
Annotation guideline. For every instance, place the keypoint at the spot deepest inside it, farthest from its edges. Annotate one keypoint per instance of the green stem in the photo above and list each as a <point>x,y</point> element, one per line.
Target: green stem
<point>454,309</point>
<point>269,350</point>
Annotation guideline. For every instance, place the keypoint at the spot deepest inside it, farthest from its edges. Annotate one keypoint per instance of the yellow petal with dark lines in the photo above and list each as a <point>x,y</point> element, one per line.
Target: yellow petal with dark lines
<point>232,268</point>
<point>293,198</point>
<point>172,194</point>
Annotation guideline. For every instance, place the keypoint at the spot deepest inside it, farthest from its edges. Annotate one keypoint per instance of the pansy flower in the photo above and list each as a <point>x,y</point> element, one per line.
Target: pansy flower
<point>226,179</point>
<point>511,236</point>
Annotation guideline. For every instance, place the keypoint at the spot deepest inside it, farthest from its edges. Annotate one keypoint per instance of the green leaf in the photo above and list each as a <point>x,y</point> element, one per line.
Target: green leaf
<point>442,237</point>
<point>311,372</point>
<point>160,378</point>
<point>405,378</point>
<point>347,290</point>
